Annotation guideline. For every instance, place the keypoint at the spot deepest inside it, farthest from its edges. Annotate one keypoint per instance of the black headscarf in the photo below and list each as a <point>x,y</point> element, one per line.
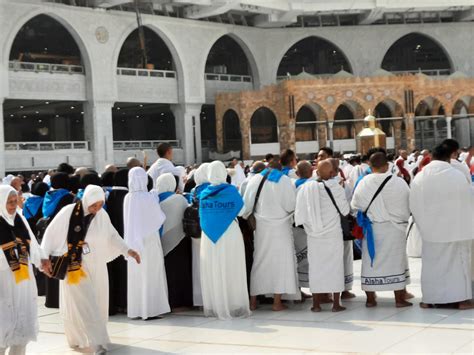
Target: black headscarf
<point>108,178</point>
<point>150,183</point>
<point>39,189</point>
<point>90,179</point>
<point>60,180</point>
<point>121,178</point>
<point>74,184</point>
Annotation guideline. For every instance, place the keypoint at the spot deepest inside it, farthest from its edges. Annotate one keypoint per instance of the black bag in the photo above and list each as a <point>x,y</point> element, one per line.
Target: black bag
<point>41,226</point>
<point>191,223</point>
<point>59,265</point>
<point>251,220</point>
<point>347,222</point>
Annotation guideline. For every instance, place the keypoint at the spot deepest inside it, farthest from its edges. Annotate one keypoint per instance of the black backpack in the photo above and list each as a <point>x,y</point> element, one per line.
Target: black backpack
<point>41,226</point>
<point>191,224</point>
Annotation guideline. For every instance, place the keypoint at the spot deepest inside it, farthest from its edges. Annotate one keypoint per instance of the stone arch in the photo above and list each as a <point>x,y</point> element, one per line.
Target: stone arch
<point>430,125</point>
<point>80,42</point>
<point>466,102</point>
<point>386,109</point>
<point>307,113</point>
<point>263,126</point>
<point>252,64</point>
<point>397,64</point>
<point>346,62</point>
<point>348,110</point>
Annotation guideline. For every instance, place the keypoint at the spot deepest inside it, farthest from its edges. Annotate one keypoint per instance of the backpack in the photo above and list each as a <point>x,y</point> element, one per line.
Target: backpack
<point>191,224</point>
<point>41,226</point>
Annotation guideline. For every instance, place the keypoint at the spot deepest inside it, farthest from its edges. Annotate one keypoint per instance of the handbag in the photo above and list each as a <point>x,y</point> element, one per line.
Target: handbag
<point>347,222</point>
<point>251,220</point>
<point>59,265</point>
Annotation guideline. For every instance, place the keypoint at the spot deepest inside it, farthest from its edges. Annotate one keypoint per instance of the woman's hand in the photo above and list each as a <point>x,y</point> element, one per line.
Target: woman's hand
<point>46,267</point>
<point>133,254</point>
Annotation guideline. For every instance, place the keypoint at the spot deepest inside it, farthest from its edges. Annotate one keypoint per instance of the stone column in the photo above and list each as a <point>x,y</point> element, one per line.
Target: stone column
<point>322,136</point>
<point>331,134</point>
<point>435,131</point>
<point>448,127</point>
<point>98,131</point>
<point>245,132</point>
<point>220,132</point>
<point>188,131</point>
<point>410,131</point>
<point>397,134</point>
<point>2,140</point>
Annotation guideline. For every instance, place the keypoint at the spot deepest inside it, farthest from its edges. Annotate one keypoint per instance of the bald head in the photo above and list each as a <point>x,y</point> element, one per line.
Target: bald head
<point>133,163</point>
<point>335,166</point>
<point>325,169</point>
<point>81,171</point>
<point>112,168</point>
<point>258,167</point>
<point>304,169</point>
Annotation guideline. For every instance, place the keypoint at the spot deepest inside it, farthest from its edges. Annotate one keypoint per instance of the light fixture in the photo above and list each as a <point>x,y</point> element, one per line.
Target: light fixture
<point>47,102</point>
<point>72,107</point>
<point>118,108</point>
<point>57,116</point>
<point>12,115</point>
<point>24,116</point>
<point>141,105</point>
<point>82,112</point>
<point>138,116</point>
<point>39,121</point>
<point>162,114</point>
<point>21,106</point>
<point>36,112</point>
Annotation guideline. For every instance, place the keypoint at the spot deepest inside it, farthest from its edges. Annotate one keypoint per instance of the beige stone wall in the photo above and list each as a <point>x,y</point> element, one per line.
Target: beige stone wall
<point>361,95</point>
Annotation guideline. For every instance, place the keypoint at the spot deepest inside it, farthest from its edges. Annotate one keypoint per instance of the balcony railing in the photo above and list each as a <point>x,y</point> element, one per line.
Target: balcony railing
<point>429,72</point>
<point>45,68</point>
<point>146,73</point>
<point>229,77</point>
<point>46,146</point>
<point>134,145</point>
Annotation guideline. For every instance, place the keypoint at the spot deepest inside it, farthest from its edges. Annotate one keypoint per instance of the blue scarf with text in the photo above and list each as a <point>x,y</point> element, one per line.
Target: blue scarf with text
<point>219,206</point>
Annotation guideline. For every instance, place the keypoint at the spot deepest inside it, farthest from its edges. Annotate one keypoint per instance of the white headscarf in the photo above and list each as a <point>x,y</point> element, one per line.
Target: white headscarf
<point>142,213</point>
<point>166,183</point>
<point>5,192</point>
<point>92,194</point>
<point>217,173</point>
<point>200,176</point>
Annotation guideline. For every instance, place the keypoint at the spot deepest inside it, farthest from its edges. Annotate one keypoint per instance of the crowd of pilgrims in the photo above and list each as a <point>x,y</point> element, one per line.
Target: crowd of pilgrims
<point>227,239</point>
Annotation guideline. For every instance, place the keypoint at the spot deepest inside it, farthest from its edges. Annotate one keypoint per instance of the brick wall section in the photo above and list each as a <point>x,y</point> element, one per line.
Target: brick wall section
<point>362,93</point>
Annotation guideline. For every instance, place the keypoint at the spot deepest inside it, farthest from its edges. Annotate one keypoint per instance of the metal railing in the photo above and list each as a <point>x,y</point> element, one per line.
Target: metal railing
<point>146,72</point>
<point>45,67</point>
<point>46,146</point>
<point>133,145</point>
<point>228,77</point>
<point>429,72</point>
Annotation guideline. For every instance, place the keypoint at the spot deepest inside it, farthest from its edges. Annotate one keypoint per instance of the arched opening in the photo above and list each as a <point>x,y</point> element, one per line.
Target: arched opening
<point>306,131</point>
<point>208,126</point>
<point>343,130</point>
<point>44,44</point>
<point>232,134</point>
<point>463,122</point>
<point>430,123</point>
<point>155,54</point>
<point>382,111</point>
<point>416,52</point>
<point>263,126</point>
<point>227,57</point>
<point>314,55</point>
<point>142,122</point>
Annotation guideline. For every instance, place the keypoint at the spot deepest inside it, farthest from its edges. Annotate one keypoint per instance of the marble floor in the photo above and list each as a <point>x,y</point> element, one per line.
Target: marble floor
<point>384,329</point>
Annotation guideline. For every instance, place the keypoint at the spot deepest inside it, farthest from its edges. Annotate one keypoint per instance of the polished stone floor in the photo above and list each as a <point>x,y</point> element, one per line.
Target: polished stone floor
<point>384,329</point>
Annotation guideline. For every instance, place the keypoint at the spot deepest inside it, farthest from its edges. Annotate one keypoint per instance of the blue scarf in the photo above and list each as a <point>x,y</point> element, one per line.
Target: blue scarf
<point>286,170</point>
<point>51,200</point>
<point>300,182</point>
<point>80,194</point>
<point>199,189</point>
<point>366,224</point>
<point>219,206</point>
<point>364,174</point>
<point>274,176</point>
<point>31,206</point>
<point>164,195</point>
